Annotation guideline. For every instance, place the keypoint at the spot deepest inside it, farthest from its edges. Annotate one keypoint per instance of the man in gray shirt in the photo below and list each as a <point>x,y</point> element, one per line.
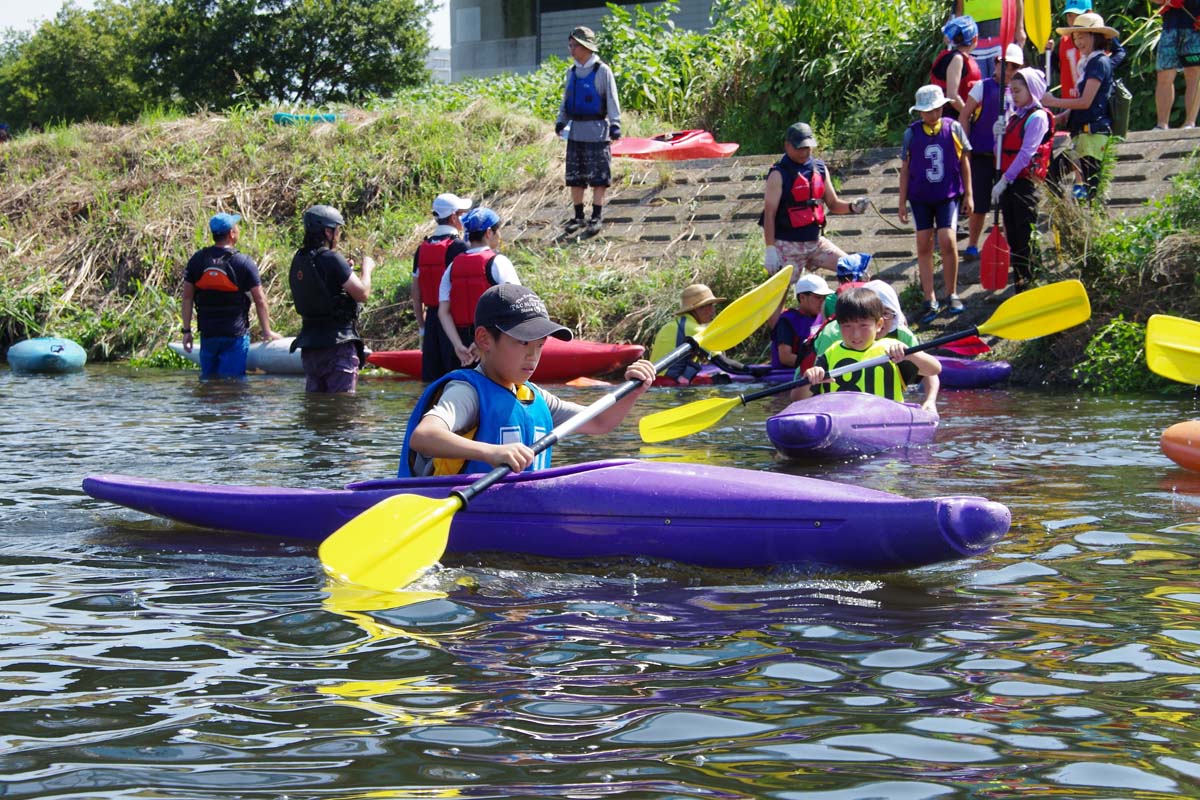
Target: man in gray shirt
<point>590,114</point>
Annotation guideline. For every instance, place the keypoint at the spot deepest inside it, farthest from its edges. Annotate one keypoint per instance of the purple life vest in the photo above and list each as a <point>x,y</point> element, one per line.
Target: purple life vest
<point>983,139</point>
<point>934,171</point>
<point>803,327</point>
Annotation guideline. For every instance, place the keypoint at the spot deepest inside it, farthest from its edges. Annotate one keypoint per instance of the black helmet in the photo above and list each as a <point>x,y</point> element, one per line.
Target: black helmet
<point>318,218</point>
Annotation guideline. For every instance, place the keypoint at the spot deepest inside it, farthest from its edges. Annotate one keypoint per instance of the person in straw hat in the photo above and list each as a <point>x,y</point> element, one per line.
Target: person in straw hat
<point>590,117</point>
<point>697,307</point>
<point>935,178</point>
<point>1086,116</point>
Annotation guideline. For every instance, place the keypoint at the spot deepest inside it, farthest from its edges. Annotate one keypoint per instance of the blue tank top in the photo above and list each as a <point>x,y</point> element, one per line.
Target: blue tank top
<point>934,171</point>
<point>503,418</point>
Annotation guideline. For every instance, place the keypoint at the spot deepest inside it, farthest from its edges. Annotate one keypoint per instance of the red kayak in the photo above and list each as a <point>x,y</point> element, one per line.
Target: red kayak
<point>561,361</point>
<point>677,146</point>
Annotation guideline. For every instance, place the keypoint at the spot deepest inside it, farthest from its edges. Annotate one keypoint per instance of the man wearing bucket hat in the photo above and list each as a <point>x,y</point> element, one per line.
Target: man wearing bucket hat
<point>697,307</point>
<point>222,283</point>
<point>1178,48</point>
<point>984,123</point>
<point>794,202</point>
<point>433,257</point>
<point>986,14</point>
<point>590,116</point>
<point>955,69</point>
<point>1087,116</point>
<point>935,177</point>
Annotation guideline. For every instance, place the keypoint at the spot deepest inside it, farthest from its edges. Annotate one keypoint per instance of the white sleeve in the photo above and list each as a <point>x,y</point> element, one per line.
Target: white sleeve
<point>444,286</point>
<point>503,271</point>
<point>976,92</point>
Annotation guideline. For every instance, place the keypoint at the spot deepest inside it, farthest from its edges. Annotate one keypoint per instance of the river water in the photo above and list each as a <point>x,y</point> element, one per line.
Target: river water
<point>145,659</point>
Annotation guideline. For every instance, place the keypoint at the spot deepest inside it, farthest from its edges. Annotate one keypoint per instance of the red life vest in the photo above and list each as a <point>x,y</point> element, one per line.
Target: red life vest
<point>469,278</point>
<point>970,73</point>
<point>1010,145</point>
<point>1068,59</point>
<point>431,263</point>
<point>806,206</point>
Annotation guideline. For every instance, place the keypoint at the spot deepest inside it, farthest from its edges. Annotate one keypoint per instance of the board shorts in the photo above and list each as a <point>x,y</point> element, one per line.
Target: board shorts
<point>331,370</point>
<point>224,356</point>
<point>808,256</point>
<point>1178,48</point>
<point>589,164</point>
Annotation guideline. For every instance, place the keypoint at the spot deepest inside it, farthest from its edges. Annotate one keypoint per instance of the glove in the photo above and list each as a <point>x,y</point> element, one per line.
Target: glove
<point>998,189</point>
<point>998,126</point>
<point>614,132</point>
<point>558,127</point>
<point>771,260</point>
<point>859,206</point>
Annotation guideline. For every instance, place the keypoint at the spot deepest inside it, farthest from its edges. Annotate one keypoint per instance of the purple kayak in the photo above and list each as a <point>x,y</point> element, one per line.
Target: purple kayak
<point>848,424</point>
<point>967,373</point>
<point>690,513</point>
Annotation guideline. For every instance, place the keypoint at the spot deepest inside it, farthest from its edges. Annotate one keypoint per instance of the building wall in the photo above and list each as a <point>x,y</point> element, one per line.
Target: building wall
<point>495,36</point>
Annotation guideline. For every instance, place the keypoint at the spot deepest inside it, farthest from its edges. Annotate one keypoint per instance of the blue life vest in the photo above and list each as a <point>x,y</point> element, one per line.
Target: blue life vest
<point>583,100</point>
<point>503,418</point>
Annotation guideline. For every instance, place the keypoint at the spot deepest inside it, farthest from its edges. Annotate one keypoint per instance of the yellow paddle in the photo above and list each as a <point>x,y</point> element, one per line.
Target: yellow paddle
<point>1173,348</point>
<point>1037,312</point>
<point>1038,28</point>
<point>387,546</point>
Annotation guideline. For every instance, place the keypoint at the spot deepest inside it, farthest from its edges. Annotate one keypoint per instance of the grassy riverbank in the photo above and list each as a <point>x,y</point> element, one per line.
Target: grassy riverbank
<point>97,221</point>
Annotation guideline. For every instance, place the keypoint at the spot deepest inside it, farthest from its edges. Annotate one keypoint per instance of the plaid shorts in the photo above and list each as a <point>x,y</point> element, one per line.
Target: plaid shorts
<point>588,164</point>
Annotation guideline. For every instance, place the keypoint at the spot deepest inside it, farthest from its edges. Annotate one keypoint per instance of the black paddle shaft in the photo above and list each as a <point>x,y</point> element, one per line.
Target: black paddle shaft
<point>916,348</point>
<point>591,412</point>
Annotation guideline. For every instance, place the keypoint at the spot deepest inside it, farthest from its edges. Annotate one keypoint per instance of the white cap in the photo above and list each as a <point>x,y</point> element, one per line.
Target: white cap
<point>446,204</point>
<point>1015,54</point>
<point>810,282</point>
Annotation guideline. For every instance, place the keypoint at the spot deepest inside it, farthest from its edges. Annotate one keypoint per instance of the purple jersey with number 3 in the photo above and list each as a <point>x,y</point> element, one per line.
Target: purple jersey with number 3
<point>934,170</point>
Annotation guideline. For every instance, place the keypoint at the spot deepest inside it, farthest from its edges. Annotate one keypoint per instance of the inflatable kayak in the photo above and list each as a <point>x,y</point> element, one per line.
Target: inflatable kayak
<point>270,357</point>
<point>677,146</point>
<point>1181,444</point>
<point>967,373</point>
<point>48,354</point>
<point>848,424</point>
<point>284,118</point>
<point>691,513</point>
<point>561,361</point>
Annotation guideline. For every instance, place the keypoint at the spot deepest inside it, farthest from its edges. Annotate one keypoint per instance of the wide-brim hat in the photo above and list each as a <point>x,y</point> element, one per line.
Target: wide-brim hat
<point>929,97</point>
<point>586,37</point>
<point>1090,22</point>
<point>696,296</point>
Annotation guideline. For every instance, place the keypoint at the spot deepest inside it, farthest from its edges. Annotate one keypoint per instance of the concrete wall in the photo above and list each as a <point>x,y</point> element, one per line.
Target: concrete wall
<point>477,50</point>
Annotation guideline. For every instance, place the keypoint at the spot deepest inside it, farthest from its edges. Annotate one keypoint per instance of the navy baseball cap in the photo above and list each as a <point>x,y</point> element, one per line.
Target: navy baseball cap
<point>223,223</point>
<point>520,313</point>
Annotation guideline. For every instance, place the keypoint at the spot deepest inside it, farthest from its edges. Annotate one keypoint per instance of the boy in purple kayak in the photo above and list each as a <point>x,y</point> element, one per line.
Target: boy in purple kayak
<point>792,334</point>
<point>935,178</point>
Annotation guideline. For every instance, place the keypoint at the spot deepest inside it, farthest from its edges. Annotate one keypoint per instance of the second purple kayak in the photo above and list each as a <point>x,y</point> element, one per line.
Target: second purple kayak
<point>849,424</point>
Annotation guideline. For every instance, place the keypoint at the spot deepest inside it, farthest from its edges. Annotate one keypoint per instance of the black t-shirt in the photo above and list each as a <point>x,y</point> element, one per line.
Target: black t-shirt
<point>223,278</point>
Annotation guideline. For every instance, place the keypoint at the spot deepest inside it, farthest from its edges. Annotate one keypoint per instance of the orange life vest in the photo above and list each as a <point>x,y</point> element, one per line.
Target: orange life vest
<point>470,277</point>
<point>431,264</point>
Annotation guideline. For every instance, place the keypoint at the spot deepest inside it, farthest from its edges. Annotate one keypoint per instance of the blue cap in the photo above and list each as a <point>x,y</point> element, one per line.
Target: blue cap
<point>480,219</point>
<point>853,266</point>
<point>961,30</point>
<point>1078,7</point>
<point>222,224</point>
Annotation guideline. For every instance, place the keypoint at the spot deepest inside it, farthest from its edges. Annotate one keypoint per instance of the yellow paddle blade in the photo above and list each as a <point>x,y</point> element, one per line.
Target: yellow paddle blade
<point>1040,311</point>
<point>675,423</point>
<point>745,315</point>
<point>1173,348</point>
<point>390,544</point>
<point>1037,23</point>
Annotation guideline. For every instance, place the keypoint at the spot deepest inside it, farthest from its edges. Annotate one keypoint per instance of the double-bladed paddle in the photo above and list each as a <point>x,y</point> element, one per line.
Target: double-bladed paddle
<point>388,545</point>
<point>1173,348</point>
<point>1037,312</point>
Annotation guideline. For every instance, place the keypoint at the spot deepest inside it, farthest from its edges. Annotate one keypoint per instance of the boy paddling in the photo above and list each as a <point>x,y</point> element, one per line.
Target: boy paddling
<point>475,419</point>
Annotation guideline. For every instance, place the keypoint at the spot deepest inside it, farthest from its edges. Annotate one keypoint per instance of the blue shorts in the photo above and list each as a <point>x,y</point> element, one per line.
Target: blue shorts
<point>1177,47</point>
<point>934,215</point>
<point>224,356</point>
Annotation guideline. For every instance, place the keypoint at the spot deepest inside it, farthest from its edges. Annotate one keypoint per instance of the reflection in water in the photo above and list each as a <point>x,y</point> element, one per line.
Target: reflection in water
<point>140,655</point>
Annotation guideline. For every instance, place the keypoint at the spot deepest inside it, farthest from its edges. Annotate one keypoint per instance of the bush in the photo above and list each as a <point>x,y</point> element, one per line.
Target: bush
<point>1114,362</point>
